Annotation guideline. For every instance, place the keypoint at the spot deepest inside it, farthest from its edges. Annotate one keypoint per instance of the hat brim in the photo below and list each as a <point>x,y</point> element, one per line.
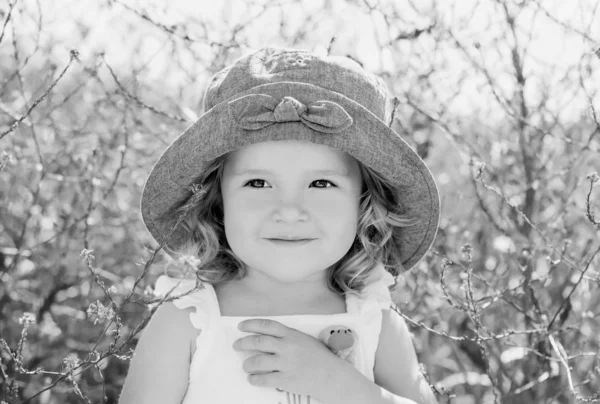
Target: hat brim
<point>368,139</point>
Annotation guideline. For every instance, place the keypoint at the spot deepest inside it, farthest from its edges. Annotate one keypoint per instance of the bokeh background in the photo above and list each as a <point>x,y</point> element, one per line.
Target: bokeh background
<point>499,97</point>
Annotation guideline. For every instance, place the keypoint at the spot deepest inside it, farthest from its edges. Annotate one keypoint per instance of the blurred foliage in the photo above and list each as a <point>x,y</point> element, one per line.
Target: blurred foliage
<point>499,97</point>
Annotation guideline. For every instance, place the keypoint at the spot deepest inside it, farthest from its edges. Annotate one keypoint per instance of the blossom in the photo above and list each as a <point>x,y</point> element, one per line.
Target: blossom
<point>102,312</point>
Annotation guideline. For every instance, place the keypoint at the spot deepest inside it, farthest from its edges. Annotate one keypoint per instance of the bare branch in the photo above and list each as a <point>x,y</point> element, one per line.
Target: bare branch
<point>74,56</point>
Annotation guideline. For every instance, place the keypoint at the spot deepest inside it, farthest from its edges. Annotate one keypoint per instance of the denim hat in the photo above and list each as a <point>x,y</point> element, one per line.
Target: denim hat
<point>281,94</point>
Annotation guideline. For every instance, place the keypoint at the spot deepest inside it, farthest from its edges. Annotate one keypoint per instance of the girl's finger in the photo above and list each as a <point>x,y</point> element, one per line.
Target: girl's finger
<point>257,342</point>
<point>261,363</point>
<point>263,326</point>
<point>272,379</point>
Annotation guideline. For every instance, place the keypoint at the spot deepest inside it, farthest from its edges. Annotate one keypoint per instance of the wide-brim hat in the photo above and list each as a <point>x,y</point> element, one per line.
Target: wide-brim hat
<point>283,94</point>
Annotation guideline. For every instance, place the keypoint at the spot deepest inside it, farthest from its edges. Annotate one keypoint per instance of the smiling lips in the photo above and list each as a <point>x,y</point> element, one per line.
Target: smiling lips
<point>295,242</point>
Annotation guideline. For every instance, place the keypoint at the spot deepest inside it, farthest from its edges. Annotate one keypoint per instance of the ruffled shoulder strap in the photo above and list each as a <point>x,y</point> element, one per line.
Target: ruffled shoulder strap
<point>202,300</point>
<point>375,296</point>
<point>368,305</point>
<point>378,287</point>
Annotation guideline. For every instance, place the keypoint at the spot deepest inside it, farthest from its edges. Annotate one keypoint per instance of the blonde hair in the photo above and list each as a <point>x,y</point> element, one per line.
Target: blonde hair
<point>209,256</point>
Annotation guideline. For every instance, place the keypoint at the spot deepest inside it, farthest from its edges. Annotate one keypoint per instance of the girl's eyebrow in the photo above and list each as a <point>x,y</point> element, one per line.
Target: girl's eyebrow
<point>263,172</point>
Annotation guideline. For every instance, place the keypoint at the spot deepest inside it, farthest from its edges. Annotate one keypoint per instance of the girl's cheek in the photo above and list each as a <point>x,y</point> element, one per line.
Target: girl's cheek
<point>332,201</point>
<point>255,202</point>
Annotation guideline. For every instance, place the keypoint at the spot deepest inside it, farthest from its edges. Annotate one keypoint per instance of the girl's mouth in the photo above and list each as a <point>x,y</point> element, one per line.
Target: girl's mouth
<point>289,242</point>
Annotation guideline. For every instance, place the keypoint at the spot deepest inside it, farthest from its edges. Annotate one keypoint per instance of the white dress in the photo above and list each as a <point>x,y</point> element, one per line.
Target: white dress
<point>216,374</point>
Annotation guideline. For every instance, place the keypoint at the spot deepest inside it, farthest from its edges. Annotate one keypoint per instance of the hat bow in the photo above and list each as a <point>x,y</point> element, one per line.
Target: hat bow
<point>256,111</point>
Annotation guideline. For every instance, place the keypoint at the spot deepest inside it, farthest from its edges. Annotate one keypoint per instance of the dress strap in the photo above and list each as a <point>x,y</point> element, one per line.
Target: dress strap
<point>375,294</point>
<point>201,299</point>
<point>368,306</point>
<point>378,288</point>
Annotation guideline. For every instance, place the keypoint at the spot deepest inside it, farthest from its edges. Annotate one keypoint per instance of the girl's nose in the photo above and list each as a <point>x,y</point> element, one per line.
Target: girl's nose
<point>290,211</point>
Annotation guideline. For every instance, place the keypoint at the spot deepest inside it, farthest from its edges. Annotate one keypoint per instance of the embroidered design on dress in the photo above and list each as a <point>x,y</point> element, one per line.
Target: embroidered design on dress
<point>342,341</point>
<point>293,398</point>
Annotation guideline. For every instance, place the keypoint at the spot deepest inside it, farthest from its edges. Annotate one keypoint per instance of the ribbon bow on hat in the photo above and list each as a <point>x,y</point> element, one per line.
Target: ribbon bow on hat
<point>255,111</point>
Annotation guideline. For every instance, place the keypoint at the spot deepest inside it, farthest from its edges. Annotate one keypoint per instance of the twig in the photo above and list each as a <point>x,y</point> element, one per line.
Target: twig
<point>11,5</point>
<point>593,177</point>
<point>73,56</point>
<point>138,101</point>
<point>566,299</point>
<point>560,352</point>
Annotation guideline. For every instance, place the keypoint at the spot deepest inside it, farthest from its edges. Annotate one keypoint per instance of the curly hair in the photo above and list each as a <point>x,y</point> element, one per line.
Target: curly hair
<point>208,254</point>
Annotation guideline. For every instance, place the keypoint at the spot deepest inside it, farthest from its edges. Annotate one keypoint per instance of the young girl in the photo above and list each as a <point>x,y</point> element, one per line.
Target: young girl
<point>297,206</point>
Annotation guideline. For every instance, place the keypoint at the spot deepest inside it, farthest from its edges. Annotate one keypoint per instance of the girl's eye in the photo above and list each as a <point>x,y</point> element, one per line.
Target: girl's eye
<point>332,185</point>
<point>262,181</point>
<point>251,181</point>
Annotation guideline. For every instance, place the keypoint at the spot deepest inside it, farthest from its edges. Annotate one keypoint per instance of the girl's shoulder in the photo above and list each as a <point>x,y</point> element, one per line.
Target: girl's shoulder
<point>159,368</point>
<point>169,317</point>
<point>191,296</point>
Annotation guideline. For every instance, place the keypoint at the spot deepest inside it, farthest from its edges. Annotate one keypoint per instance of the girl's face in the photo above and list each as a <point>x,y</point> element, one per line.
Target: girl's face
<point>290,197</point>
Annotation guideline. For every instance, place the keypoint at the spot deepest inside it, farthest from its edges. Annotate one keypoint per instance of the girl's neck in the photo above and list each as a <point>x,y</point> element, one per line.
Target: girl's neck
<point>239,298</point>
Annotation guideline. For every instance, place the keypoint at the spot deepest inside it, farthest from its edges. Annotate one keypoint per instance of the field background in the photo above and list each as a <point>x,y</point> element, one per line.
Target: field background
<point>499,97</point>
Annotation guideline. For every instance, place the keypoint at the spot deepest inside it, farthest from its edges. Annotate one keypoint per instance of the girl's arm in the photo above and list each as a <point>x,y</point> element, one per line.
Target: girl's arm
<point>398,379</point>
<point>159,369</point>
<point>396,365</point>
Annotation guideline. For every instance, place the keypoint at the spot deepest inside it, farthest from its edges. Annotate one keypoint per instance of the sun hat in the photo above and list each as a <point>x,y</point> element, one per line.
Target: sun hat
<point>283,94</point>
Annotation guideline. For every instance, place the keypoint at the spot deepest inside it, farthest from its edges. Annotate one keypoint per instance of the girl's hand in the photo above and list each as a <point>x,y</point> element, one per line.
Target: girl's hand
<point>290,360</point>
